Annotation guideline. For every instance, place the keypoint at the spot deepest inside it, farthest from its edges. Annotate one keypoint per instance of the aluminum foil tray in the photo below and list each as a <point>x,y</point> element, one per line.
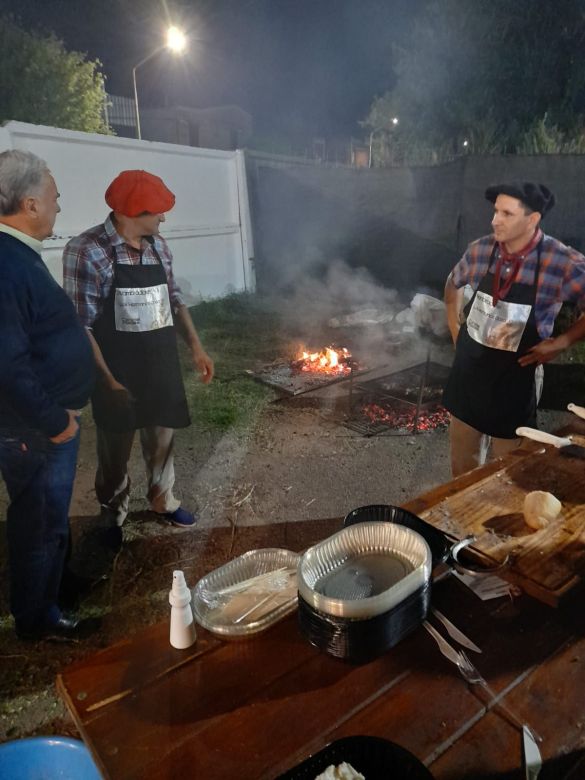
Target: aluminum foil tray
<point>439,543</point>
<point>248,594</point>
<point>364,570</point>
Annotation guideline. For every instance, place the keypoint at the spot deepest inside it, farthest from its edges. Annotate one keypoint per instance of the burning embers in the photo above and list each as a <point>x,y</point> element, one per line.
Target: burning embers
<point>405,418</point>
<point>407,401</point>
<point>331,361</point>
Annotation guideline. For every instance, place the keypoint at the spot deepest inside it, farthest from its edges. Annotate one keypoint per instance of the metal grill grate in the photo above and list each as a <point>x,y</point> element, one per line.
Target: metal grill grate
<point>407,402</point>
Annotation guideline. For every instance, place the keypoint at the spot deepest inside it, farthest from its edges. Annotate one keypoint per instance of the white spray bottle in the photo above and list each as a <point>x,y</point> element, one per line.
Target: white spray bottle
<point>182,624</point>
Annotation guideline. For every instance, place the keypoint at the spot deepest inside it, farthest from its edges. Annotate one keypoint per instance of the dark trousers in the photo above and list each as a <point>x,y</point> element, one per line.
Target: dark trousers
<point>39,478</point>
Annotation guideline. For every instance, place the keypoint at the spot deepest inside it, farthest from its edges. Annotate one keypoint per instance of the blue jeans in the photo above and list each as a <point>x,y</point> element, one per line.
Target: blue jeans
<point>39,478</point>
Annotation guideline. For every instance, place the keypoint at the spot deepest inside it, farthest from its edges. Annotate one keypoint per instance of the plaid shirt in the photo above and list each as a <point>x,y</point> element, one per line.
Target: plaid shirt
<point>88,267</point>
<point>561,278</point>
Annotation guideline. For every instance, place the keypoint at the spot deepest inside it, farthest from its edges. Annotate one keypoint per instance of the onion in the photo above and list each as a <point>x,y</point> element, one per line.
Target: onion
<point>540,508</point>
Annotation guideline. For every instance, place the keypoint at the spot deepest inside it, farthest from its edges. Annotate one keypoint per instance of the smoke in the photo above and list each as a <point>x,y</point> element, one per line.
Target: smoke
<point>345,307</point>
<point>341,291</point>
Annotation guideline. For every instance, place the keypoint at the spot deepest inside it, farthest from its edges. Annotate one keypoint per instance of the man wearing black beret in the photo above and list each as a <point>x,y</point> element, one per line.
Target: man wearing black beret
<point>520,277</point>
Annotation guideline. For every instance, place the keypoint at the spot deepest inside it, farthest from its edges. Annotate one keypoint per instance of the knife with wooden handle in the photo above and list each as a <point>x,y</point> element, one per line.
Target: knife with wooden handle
<point>578,410</point>
<point>565,446</point>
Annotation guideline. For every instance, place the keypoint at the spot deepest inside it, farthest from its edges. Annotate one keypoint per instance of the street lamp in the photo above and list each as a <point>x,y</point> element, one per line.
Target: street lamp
<point>176,42</point>
<point>394,121</point>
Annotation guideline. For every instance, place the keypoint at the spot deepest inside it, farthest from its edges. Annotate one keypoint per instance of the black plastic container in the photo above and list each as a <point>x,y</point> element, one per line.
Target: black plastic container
<point>360,640</point>
<point>374,757</point>
<point>439,544</point>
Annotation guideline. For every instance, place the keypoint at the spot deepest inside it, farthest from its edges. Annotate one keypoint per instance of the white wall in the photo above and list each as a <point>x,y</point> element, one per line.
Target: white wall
<point>208,230</point>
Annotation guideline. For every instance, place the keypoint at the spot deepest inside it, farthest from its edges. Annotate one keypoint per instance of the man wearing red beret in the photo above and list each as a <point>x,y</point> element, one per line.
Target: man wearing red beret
<point>520,277</point>
<point>119,276</point>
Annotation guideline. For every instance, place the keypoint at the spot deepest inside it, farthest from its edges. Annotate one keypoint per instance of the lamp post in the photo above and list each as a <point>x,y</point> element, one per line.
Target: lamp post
<point>176,42</point>
<point>377,130</point>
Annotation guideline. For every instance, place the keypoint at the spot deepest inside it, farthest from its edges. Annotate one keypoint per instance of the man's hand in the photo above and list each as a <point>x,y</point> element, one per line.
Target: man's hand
<point>201,360</point>
<point>543,352</point>
<point>204,364</point>
<point>114,386</point>
<point>120,396</point>
<point>71,430</point>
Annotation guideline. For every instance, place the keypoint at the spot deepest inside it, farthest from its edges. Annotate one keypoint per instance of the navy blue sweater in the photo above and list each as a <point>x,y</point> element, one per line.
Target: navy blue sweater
<point>46,361</point>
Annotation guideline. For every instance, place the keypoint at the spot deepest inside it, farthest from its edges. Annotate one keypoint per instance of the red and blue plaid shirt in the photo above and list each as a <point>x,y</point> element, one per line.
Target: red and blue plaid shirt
<point>88,267</point>
<point>561,278</point>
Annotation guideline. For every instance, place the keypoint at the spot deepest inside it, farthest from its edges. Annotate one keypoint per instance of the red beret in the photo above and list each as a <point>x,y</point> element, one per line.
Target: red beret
<point>134,192</point>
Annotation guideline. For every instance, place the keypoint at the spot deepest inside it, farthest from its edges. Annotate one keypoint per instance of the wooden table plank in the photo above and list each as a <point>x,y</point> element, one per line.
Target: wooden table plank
<point>116,672</point>
<point>551,701</point>
<point>316,698</point>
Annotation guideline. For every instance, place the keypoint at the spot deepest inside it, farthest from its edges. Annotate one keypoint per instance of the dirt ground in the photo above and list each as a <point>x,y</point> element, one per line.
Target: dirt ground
<point>293,462</point>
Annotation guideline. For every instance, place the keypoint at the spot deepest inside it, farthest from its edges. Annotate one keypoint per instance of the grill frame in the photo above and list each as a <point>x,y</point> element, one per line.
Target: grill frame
<point>376,391</point>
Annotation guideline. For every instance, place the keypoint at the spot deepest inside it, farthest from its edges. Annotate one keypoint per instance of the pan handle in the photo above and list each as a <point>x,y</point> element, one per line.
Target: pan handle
<point>578,410</point>
<point>469,568</point>
<point>543,437</point>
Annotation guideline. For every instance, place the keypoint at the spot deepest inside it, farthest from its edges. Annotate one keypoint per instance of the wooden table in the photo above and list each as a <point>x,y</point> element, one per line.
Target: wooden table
<point>251,710</point>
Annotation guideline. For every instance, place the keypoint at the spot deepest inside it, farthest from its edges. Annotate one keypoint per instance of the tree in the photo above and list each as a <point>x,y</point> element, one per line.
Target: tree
<point>43,83</point>
<point>495,75</point>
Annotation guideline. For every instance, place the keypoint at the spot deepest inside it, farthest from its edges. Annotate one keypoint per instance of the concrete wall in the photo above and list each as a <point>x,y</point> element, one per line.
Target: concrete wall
<point>209,228</point>
<point>408,226</point>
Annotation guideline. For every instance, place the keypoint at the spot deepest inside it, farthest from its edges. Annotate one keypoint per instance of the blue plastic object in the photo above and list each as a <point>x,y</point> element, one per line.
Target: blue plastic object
<point>47,758</point>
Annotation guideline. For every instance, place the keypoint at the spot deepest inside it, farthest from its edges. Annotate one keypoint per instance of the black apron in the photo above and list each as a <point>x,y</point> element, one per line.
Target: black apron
<point>487,388</point>
<point>146,362</point>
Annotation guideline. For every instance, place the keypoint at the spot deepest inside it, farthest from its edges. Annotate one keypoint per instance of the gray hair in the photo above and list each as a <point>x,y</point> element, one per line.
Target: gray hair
<point>21,174</point>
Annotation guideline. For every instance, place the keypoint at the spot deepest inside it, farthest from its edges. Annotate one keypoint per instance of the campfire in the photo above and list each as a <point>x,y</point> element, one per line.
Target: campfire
<point>310,370</point>
<point>329,360</point>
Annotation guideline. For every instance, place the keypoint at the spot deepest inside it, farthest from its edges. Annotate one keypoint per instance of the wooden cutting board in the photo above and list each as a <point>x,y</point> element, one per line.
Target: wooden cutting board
<point>548,563</point>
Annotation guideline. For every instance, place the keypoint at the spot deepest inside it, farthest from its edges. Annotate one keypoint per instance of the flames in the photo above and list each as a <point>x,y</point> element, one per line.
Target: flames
<point>326,361</point>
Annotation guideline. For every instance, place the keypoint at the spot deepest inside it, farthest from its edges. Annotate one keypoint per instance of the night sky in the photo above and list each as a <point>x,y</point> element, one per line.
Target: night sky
<point>301,67</point>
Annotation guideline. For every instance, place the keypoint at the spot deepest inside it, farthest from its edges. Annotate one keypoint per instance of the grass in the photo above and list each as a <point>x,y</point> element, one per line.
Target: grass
<point>238,332</point>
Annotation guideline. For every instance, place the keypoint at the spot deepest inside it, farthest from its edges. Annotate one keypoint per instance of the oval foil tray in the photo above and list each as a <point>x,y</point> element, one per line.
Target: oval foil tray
<point>248,594</point>
<point>337,576</point>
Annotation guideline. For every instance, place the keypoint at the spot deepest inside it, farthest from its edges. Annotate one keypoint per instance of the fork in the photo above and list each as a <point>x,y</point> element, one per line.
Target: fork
<point>472,676</point>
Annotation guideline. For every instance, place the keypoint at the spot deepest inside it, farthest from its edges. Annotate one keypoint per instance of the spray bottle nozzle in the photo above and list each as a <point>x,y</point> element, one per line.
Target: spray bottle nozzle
<point>180,593</point>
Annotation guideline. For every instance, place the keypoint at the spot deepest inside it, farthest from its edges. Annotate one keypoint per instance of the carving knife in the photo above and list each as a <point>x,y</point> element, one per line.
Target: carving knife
<point>564,445</point>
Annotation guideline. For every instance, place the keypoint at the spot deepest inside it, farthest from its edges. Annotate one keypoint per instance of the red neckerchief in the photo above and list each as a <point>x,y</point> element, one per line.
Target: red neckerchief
<point>516,258</point>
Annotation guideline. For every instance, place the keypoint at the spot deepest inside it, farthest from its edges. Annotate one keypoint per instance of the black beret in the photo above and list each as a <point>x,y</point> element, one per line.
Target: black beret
<point>536,196</point>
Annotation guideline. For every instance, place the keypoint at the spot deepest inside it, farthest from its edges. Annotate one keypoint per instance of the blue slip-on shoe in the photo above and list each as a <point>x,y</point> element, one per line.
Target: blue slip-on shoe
<point>181,518</point>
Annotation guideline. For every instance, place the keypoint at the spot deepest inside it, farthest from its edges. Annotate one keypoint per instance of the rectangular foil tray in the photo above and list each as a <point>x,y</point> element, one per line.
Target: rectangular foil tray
<point>249,594</point>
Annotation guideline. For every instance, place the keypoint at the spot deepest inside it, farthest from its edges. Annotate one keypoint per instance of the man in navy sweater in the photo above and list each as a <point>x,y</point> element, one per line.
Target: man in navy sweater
<point>46,376</point>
